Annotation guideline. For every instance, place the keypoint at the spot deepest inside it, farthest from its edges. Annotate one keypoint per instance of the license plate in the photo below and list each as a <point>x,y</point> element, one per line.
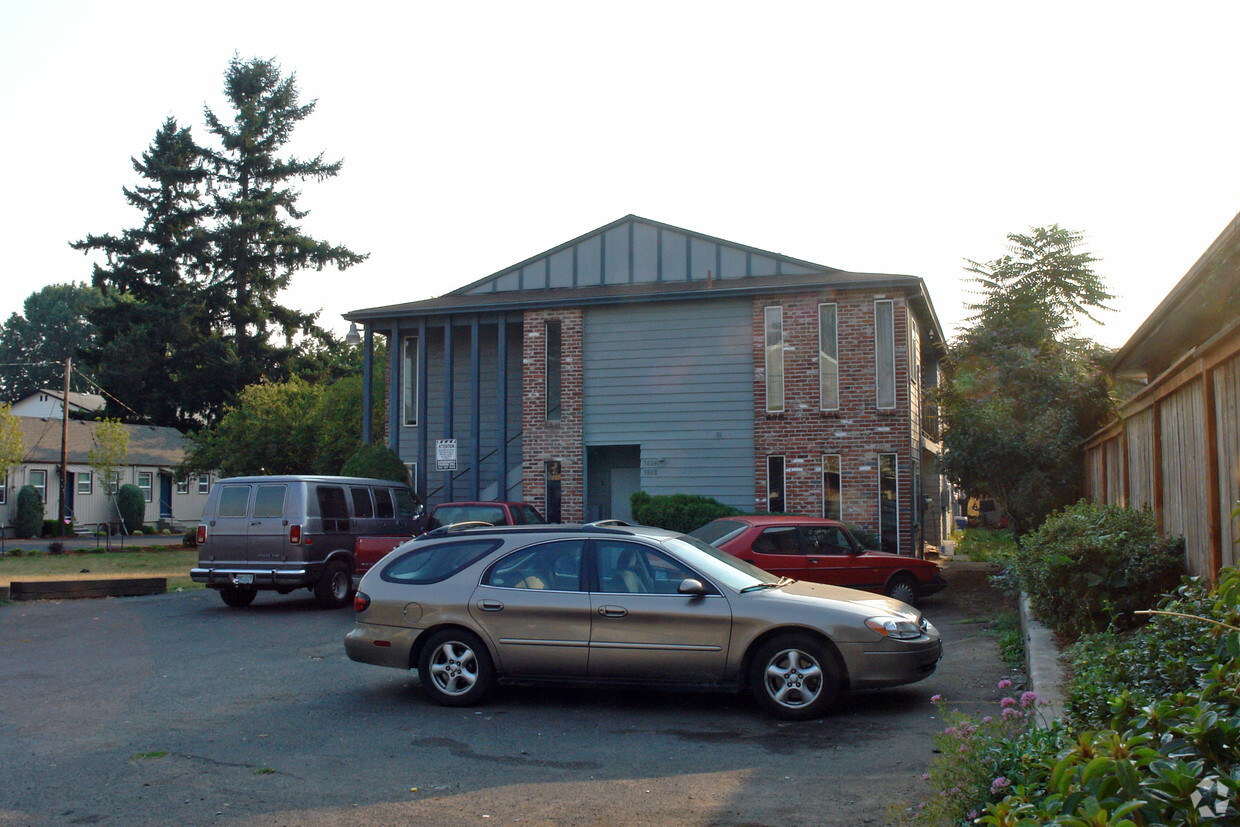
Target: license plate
<point>242,579</point>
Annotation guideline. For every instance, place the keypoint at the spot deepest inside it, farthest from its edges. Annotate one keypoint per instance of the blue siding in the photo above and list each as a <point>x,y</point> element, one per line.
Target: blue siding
<point>676,379</point>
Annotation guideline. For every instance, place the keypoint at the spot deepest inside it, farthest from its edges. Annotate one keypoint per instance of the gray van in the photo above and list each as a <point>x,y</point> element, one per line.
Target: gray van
<point>283,533</point>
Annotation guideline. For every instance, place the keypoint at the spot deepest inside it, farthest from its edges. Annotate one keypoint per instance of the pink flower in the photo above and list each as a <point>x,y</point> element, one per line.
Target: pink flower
<point>987,719</point>
<point>1000,783</point>
<point>925,776</point>
<point>1006,702</point>
<point>1011,712</point>
<point>1028,699</point>
<point>935,699</point>
<point>1005,683</point>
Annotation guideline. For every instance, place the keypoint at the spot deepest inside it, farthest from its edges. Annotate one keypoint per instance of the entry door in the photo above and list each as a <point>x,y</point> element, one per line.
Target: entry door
<point>165,496</point>
<point>624,483</point>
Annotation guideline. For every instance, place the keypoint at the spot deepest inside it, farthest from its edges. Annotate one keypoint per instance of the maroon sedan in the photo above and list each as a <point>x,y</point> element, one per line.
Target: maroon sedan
<point>821,551</point>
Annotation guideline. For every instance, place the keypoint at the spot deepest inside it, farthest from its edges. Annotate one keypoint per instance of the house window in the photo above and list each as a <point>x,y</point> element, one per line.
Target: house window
<point>554,347</point>
<point>183,485</point>
<point>774,326</point>
<point>885,353</point>
<point>85,481</point>
<point>888,504</point>
<point>775,484</point>
<point>4,491</point>
<point>112,483</point>
<point>553,474</point>
<point>832,499</point>
<point>828,359</point>
<point>914,373</point>
<point>409,380</point>
<point>204,483</point>
<point>144,482</point>
<point>38,478</point>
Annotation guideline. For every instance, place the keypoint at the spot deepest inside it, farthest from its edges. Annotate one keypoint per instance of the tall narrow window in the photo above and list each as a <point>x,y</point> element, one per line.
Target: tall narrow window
<point>145,480</point>
<point>204,483</point>
<point>38,479</point>
<point>553,473</point>
<point>828,359</point>
<point>885,353</point>
<point>409,380</point>
<point>914,376</point>
<point>775,484</point>
<point>4,490</point>
<point>774,327</point>
<point>888,505</point>
<point>554,354</point>
<point>832,501</point>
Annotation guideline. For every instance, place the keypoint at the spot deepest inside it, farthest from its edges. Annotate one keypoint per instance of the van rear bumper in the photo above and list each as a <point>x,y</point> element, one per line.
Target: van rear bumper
<point>262,578</point>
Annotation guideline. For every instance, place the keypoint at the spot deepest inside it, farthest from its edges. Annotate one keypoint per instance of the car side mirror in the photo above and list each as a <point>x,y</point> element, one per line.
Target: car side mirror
<point>692,587</point>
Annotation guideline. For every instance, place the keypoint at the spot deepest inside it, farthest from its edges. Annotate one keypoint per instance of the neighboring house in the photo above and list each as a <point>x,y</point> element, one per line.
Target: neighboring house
<point>153,454</point>
<point>644,356</point>
<point>1175,448</point>
<point>49,404</point>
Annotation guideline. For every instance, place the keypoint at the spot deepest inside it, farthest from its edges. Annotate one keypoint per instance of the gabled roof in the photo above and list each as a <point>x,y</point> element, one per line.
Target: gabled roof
<point>148,444</point>
<point>1204,304</point>
<point>636,259</point>
<point>77,401</point>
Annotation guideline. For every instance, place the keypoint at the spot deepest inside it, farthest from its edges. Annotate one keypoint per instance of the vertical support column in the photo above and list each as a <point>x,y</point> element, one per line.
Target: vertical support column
<point>423,428</point>
<point>394,417</point>
<point>368,358</point>
<point>1214,526</point>
<point>501,372</point>
<point>475,414</point>
<point>1156,449</point>
<point>449,391</point>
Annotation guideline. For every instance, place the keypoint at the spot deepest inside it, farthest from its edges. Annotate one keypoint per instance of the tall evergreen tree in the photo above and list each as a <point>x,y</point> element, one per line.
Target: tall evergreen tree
<point>257,246</point>
<point>158,348</point>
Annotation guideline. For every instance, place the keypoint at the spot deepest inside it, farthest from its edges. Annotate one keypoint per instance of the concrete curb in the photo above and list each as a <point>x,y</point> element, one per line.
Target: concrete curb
<point>74,589</point>
<point>1042,664</point>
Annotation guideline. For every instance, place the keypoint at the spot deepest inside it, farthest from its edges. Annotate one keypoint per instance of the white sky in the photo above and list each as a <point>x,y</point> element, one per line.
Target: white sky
<point>877,137</point>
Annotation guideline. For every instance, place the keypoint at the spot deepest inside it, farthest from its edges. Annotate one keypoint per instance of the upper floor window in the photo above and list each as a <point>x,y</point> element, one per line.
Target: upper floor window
<point>828,359</point>
<point>204,483</point>
<point>885,353</point>
<point>773,324</point>
<point>409,380</point>
<point>554,355</point>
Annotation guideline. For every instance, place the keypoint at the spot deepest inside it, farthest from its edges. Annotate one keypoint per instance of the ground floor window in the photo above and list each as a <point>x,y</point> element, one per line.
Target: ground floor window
<point>204,484</point>
<point>145,483</point>
<point>4,491</point>
<point>554,476</point>
<point>832,493</point>
<point>888,504</point>
<point>183,485</point>
<point>775,484</point>
<point>38,479</point>
<point>85,482</point>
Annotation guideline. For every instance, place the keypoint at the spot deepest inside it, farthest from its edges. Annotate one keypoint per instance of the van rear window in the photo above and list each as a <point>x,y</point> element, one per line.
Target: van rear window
<point>269,501</point>
<point>233,500</point>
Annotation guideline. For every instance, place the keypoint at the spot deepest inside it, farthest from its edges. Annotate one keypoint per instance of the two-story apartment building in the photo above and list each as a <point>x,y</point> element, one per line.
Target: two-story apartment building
<point>645,356</point>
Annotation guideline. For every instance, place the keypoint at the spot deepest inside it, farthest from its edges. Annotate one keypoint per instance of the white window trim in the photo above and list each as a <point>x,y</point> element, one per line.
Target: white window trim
<point>839,465</point>
<point>4,490</point>
<point>783,493</point>
<point>409,381</point>
<point>204,483</point>
<point>182,486</point>
<point>89,479</point>
<point>148,491</point>
<point>878,355</point>
<point>836,330</point>
<point>767,352</point>
<point>895,458</point>
<point>43,488</point>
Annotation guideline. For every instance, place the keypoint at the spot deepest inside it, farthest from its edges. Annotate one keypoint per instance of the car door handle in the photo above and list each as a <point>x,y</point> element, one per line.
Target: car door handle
<point>814,560</point>
<point>490,605</point>
<point>612,611</point>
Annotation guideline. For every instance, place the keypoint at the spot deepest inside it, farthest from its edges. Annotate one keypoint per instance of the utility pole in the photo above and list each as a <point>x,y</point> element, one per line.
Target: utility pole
<point>64,438</point>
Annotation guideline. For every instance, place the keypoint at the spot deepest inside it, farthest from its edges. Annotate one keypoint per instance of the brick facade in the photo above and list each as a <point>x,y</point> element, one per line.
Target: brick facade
<point>553,440</point>
<point>858,432</point>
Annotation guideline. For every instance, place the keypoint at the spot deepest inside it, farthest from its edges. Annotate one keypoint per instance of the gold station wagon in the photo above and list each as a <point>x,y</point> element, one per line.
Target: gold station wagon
<point>625,605</point>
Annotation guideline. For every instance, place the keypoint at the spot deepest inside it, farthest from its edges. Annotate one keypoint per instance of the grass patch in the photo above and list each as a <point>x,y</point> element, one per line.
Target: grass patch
<point>1011,640</point>
<point>173,563</point>
<point>985,545</point>
<point>144,756</point>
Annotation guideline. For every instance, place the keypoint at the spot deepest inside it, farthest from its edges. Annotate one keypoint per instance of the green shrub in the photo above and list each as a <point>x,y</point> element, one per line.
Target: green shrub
<point>29,522</point>
<point>132,505</point>
<point>376,461</point>
<point>1088,567</point>
<point>677,512</point>
<point>190,538</point>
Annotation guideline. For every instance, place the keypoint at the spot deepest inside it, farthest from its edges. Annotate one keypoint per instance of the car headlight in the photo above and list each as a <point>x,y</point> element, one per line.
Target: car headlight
<point>896,628</point>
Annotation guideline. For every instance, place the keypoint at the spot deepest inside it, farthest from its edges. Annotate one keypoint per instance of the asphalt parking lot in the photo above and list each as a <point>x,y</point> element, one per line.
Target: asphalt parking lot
<point>174,708</point>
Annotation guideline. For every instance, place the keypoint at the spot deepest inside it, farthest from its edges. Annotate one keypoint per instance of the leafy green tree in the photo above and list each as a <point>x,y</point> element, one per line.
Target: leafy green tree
<point>109,449</point>
<point>34,345</point>
<point>12,449</point>
<point>29,522</point>
<point>271,430</point>
<point>1021,394</point>
<point>376,461</point>
<point>257,245</point>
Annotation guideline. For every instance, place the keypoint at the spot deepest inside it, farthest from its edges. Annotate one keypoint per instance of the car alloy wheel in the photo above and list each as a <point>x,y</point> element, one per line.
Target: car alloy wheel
<point>455,669</point>
<point>795,677</point>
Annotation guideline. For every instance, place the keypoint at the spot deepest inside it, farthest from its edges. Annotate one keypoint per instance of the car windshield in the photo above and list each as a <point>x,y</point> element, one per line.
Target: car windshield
<point>718,565</point>
<point>718,531</point>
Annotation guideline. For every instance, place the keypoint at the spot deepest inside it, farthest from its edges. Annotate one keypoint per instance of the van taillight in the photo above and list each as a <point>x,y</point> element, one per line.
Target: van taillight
<point>201,536</point>
<point>294,534</point>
